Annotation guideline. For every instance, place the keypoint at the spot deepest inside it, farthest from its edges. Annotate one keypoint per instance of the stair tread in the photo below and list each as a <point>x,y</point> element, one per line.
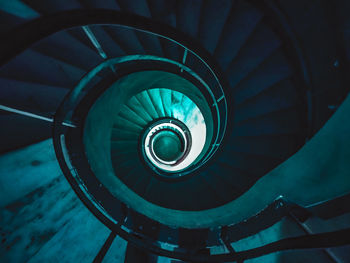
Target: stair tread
<point>12,127</point>
<point>249,164</point>
<point>108,45</point>
<point>127,113</point>
<point>166,100</point>
<point>150,42</point>
<point>105,4</point>
<point>9,21</point>
<point>135,104</point>
<point>280,147</point>
<point>188,16</point>
<point>71,50</point>
<point>139,7</point>
<point>119,148</point>
<point>46,70</point>
<point>239,26</point>
<point>273,70</point>
<point>284,121</point>
<point>126,39</point>
<point>147,103</point>
<point>212,21</point>
<point>165,12</point>
<point>121,134</point>
<point>36,97</point>
<point>127,125</point>
<point>257,48</point>
<point>123,143</point>
<point>157,102</point>
<point>278,97</point>
<point>47,7</point>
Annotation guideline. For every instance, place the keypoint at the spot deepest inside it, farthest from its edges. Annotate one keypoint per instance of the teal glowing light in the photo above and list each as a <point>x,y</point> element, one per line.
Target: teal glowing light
<point>168,146</point>
<point>164,148</point>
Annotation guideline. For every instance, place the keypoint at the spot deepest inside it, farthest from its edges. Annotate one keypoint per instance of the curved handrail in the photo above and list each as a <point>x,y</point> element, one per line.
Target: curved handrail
<point>27,34</point>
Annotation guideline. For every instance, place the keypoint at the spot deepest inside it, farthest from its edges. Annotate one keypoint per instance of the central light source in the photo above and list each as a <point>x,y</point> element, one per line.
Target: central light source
<point>173,142</point>
<point>168,146</point>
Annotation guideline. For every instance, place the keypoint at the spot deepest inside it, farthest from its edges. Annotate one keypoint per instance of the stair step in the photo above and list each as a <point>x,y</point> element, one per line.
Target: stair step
<point>213,18</point>
<point>126,158</point>
<point>262,42</point>
<point>79,34</point>
<point>239,26</point>
<point>9,21</point>
<point>165,12</point>
<point>12,127</point>
<point>273,70</point>
<point>166,100</point>
<point>150,42</point>
<point>188,17</point>
<point>127,125</point>
<point>48,7</point>
<point>252,165</point>
<point>126,39</point>
<point>188,106</point>
<point>34,67</point>
<point>35,97</point>
<point>284,121</point>
<point>64,47</point>
<point>123,160</point>
<point>121,134</point>
<point>278,97</point>
<point>157,102</point>
<point>108,45</point>
<point>121,145</point>
<point>105,4</point>
<point>275,146</point>
<point>135,105</point>
<point>146,102</point>
<point>16,11</point>
<point>127,113</point>
<point>139,7</point>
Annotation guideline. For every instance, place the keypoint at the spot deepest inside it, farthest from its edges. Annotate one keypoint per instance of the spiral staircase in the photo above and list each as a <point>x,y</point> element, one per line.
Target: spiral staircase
<point>163,114</point>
